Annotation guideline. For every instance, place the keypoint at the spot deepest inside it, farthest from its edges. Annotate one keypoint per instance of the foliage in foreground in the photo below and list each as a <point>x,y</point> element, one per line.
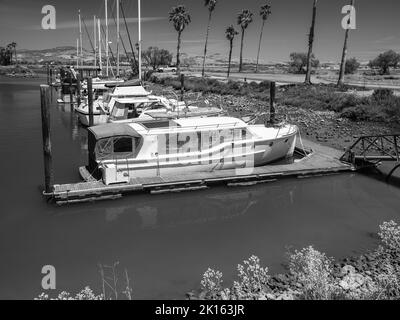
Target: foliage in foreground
<point>314,276</point>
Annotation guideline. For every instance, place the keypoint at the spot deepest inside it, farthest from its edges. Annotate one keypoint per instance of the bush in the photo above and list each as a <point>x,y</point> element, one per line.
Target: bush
<point>85,294</point>
<point>390,235</point>
<point>313,270</point>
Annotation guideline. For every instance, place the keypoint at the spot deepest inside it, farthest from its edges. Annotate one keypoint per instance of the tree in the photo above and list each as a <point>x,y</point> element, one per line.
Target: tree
<point>210,4</point>
<point>6,55</point>
<point>230,34</point>
<point>244,19</point>
<point>343,64</point>
<point>385,61</point>
<point>310,44</point>
<point>180,18</point>
<point>264,13</point>
<point>156,57</point>
<point>351,66</point>
<point>299,60</point>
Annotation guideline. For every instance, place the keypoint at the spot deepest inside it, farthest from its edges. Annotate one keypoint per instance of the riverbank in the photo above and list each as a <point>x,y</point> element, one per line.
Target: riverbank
<point>312,275</point>
<point>324,113</point>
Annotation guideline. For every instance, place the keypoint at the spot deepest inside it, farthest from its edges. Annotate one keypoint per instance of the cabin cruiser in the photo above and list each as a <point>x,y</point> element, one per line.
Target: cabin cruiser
<point>119,152</point>
<point>130,102</point>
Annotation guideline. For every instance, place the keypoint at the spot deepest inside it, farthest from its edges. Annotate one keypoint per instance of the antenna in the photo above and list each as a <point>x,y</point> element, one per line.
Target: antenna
<point>118,38</point>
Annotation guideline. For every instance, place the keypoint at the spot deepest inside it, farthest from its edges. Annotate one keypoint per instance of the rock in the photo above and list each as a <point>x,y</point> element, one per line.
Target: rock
<point>347,269</point>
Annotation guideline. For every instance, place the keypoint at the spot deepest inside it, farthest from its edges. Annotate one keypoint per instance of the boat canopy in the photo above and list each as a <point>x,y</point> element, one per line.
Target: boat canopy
<point>129,91</point>
<point>113,130</point>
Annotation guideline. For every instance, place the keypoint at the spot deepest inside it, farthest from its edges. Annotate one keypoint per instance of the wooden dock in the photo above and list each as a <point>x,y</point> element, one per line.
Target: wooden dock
<point>316,160</point>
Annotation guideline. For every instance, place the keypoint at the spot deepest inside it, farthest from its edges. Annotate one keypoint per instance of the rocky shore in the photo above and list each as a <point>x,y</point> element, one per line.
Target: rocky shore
<point>325,127</point>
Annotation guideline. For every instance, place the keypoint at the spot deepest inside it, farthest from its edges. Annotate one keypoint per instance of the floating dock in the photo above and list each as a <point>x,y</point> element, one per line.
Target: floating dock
<point>314,160</point>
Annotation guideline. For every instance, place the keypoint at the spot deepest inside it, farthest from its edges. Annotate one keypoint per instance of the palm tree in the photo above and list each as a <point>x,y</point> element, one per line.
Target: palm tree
<point>14,47</point>
<point>264,13</point>
<point>180,18</point>
<point>310,44</point>
<point>230,34</point>
<point>344,54</point>
<point>210,4</point>
<point>244,19</point>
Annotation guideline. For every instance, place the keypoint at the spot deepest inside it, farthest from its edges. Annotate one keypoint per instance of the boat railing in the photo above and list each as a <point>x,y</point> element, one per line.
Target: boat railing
<point>232,125</point>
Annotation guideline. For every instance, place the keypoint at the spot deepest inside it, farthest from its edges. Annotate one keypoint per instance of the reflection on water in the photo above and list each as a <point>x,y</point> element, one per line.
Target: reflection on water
<point>165,241</point>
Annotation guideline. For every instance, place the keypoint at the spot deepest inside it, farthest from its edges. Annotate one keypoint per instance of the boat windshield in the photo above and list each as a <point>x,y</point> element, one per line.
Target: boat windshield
<point>116,148</point>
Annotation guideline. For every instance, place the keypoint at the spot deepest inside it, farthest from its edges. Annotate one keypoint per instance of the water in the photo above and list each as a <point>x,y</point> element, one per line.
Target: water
<point>166,242</point>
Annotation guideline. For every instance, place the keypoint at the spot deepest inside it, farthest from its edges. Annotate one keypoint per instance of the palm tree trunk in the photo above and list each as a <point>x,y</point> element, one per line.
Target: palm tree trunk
<point>241,52</point>
<point>178,62</point>
<point>230,58</point>
<point>344,54</point>
<point>310,44</point>
<point>205,47</point>
<point>259,44</point>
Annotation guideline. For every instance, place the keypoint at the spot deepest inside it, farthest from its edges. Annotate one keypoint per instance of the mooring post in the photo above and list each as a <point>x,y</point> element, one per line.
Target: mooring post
<point>272,92</point>
<point>47,74</point>
<point>45,109</point>
<point>90,101</point>
<point>182,86</point>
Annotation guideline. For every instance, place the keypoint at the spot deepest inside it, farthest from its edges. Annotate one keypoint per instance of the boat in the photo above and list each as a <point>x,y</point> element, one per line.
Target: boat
<point>131,102</point>
<point>119,152</point>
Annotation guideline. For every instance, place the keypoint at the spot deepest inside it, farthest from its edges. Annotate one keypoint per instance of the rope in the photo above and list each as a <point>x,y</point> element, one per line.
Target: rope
<point>301,143</point>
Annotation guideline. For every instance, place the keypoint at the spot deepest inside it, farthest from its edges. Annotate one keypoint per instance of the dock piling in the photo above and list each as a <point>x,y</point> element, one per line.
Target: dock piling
<point>272,92</point>
<point>78,87</point>
<point>90,100</point>
<point>46,131</point>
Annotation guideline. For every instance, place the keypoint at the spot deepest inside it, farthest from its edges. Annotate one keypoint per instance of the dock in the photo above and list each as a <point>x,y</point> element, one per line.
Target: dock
<point>316,160</point>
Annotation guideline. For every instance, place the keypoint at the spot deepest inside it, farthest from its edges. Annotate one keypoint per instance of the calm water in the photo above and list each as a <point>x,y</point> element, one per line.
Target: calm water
<point>167,241</point>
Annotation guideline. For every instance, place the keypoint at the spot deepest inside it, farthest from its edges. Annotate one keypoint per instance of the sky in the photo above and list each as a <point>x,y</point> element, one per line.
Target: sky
<point>378,26</point>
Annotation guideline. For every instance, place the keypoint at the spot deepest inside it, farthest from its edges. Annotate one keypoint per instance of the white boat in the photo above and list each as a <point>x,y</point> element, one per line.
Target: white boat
<point>119,152</point>
<point>131,102</point>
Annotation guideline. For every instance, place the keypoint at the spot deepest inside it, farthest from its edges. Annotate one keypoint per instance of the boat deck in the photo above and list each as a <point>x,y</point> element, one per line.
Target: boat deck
<point>320,160</point>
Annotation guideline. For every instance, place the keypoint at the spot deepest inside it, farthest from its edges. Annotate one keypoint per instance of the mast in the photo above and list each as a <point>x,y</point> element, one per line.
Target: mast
<point>95,40</point>
<point>118,38</point>
<point>140,40</point>
<point>80,35</point>
<point>107,43</point>
<point>100,57</point>
<point>77,52</point>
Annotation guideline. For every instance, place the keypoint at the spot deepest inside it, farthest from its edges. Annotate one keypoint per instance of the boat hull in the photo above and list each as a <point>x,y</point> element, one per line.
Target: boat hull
<point>242,157</point>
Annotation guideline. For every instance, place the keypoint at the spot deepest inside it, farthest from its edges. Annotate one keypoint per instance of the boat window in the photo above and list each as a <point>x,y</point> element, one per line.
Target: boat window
<point>123,144</point>
<point>119,111</point>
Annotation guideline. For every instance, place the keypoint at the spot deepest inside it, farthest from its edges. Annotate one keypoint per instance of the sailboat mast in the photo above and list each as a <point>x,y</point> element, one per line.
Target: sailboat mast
<point>95,40</point>
<point>107,60</point>
<point>118,38</point>
<point>80,36</point>
<point>77,52</point>
<point>140,40</point>
<point>100,57</point>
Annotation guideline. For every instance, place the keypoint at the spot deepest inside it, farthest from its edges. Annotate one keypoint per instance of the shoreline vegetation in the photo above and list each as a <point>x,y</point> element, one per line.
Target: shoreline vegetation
<point>310,275</point>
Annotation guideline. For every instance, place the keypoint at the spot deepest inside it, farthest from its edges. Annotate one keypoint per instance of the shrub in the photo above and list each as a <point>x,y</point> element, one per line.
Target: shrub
<point>382,94</point>
<point>252,279</point>
<point>85,294</point>
<point>390,235</point>
<point>313,270</point>
<point>211,283</point>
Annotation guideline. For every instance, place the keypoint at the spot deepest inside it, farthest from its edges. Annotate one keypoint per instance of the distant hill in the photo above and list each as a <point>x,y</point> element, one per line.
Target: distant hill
<point>65,54</point>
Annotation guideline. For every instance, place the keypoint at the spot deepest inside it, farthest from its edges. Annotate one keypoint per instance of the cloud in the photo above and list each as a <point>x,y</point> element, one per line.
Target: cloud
<point>75,24</point>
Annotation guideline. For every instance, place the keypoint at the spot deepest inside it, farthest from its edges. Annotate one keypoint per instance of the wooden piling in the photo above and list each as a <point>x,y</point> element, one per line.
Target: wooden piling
<point>272,92</point>
<point>90,101</point>
<point>182,86</point>
<point>45,110</point>
<point>71,98</point>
